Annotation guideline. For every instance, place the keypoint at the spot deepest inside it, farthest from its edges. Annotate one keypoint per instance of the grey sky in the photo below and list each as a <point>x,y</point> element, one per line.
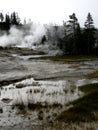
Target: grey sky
<point>51,11</point>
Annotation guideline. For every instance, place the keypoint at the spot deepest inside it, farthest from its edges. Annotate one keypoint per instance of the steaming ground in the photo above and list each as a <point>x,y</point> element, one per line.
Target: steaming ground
<point>24,37</point>
<point>33,36</point>
<point>42,86</point>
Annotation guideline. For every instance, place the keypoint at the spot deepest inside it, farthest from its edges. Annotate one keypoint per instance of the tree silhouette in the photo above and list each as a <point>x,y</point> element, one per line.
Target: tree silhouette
<point>7,22</point>
<point>71,28</point>
<point>89,34</point>
<point>78,40</point>
<point>15,20</point>
<point>89,22</point>
<point>1,17</point>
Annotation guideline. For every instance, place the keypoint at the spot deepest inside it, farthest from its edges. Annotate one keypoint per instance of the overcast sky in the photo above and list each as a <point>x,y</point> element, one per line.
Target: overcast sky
<point>51,11</point>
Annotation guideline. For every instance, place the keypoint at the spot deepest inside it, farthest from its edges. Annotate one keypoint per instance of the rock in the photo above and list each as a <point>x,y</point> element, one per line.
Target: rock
<point>6,100</point>
<point>1,110</point>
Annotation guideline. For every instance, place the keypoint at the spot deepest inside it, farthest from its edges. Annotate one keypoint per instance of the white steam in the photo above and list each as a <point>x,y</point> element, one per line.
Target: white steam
<point>30,36</point>
<point>14,37</point>
<point>26,36</point>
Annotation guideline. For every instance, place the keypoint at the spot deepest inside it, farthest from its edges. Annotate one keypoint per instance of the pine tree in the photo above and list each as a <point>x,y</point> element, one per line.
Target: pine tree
<point>15,20</point>
<point>71,33</point>
<point>73,22</point>
<point>89,22</point>
<point>89,32</point>
<point>78,40</point>
<point>1,17</point>
<point>7,22</point>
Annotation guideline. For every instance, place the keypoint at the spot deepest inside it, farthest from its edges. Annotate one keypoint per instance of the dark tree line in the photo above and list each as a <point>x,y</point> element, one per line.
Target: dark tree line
<point>79,40</point>
<point>6,21</point>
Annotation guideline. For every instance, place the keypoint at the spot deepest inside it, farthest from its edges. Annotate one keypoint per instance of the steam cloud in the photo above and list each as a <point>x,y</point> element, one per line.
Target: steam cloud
<point>25,37</point>
<point>30,36</point>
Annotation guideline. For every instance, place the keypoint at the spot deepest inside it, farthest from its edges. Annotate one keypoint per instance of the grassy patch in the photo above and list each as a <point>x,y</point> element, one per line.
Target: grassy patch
<point>68,58</point>
<point>93,75</point>
<point>89,88</point>
<point>83,109</point>
<point>20,106</point>
<point>39,105</point>
<point>34,106</point>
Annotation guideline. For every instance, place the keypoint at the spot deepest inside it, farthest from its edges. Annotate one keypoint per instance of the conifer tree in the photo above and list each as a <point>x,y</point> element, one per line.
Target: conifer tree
<point>15,20</point>
<point>89,34</point>
<point>71,28</point>
<point>1,17</point>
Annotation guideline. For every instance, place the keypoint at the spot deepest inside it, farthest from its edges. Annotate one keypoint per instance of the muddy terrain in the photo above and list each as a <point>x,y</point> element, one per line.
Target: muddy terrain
<point>35,89</point>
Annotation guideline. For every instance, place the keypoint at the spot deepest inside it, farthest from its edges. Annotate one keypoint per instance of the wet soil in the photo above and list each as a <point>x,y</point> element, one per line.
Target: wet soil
<point>34,91</point>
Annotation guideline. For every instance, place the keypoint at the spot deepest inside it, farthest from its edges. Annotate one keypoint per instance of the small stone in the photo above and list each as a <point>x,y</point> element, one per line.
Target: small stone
<point>1,110</point>
<point>6,100</point>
